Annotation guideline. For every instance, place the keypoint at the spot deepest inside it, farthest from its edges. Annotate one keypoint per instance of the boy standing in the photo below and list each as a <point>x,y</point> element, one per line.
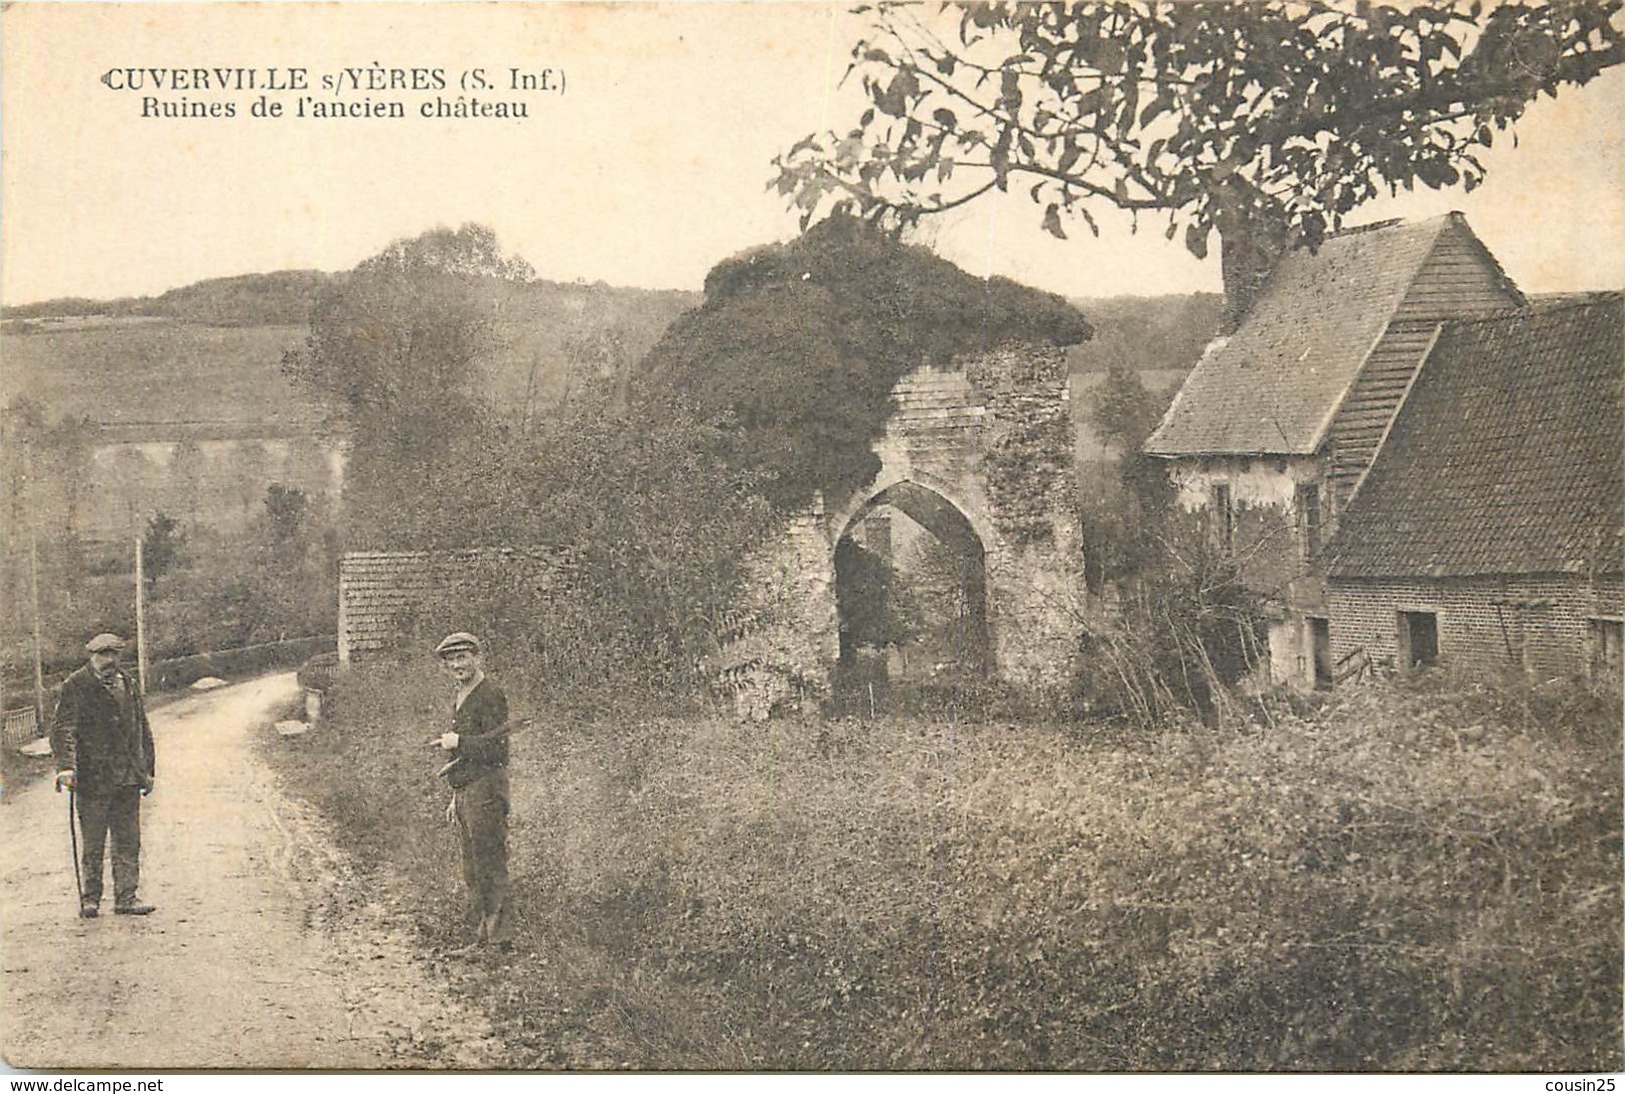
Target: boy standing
<point>478,774</point>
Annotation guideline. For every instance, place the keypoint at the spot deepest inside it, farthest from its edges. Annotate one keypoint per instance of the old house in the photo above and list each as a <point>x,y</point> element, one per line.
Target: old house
<point>1274,430</point>
<point>1487,534</point>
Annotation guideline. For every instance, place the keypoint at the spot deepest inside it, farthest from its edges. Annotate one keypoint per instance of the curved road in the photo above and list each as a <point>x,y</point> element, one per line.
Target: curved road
<point>263,952</point>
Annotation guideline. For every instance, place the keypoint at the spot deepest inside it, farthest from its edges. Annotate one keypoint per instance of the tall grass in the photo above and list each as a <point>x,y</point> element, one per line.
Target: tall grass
<point>1410,879</point>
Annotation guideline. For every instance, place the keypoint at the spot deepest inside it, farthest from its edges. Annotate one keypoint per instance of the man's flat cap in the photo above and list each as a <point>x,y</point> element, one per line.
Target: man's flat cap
<point>457,643</point>
<point>102,643</point>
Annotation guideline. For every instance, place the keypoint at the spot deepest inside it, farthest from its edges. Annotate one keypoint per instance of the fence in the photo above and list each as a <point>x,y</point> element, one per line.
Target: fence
<point>178,672</point>
<point>21,725</point>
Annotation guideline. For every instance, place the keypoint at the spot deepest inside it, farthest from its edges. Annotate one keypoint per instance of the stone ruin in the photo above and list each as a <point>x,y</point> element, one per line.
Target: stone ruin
<point>976,457</point>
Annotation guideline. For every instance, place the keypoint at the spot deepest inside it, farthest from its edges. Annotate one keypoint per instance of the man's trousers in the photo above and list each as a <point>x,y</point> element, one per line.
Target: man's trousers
<point>482,829</point>
<point>115,810</point>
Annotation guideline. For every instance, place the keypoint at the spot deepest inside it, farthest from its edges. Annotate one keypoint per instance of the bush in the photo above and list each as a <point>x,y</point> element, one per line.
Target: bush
<point>651,529</point>
<point>242,662</point>
<point>1179,642</point>
<point>1410,879</point>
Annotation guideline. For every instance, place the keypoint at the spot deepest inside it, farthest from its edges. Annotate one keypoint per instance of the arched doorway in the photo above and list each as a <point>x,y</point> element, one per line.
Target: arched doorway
<point>911,595</point>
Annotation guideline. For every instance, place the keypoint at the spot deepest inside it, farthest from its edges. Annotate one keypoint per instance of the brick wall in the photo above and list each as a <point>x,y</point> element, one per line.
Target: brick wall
<point>390,597</point>
<point>1485,625</point>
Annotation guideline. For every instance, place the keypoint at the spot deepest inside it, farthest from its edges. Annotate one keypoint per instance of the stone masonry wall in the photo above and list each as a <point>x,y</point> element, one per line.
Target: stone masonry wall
<point>991,439</point>
<point>778,647</point>
<point>1025,455</point>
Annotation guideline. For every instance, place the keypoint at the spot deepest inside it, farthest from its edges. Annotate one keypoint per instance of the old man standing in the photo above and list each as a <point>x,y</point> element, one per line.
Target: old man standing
<point>103,749</point>
<point>478,774</point>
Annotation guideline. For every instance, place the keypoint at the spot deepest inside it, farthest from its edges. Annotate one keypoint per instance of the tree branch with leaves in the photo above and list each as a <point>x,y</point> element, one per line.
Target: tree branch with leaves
<point>1267,122</point>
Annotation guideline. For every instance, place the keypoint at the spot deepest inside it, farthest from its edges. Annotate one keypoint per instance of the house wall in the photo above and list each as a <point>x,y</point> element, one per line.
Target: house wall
<point>1263,494</point>
<point>1459,278</point>
<point>1486,625</point>
<point>777,649</point>
<point>1268,545</point>
<point>388,599</point>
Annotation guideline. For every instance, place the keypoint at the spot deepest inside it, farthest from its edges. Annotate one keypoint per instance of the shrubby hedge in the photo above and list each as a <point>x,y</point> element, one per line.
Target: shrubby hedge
<point>179,672</point>
<point>1413,878</point>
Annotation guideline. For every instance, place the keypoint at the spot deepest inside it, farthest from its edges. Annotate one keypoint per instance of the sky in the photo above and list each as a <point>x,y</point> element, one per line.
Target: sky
<point>650,166</point>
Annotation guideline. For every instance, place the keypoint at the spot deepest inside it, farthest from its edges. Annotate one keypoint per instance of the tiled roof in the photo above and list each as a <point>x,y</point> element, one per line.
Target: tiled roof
<point>1506,459</point>
<point>1272,386</point>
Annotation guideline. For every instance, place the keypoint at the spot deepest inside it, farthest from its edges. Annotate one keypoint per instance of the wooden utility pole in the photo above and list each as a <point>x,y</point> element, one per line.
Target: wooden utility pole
<point>140,622</point>
<point>39,659</point>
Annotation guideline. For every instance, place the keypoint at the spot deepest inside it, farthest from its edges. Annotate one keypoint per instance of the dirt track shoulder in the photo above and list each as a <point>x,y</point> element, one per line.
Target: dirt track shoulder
<point>265,951</point>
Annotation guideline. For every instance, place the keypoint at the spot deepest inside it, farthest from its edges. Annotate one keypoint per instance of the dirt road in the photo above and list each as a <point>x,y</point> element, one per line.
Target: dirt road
<point>264,952</point>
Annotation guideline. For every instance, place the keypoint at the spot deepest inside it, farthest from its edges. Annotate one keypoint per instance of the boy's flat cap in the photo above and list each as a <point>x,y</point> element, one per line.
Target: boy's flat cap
<point>456,643</point>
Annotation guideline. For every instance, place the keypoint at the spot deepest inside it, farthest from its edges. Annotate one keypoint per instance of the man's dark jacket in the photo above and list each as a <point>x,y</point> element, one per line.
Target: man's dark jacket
<point>102,736</point>
<point>481,724</point>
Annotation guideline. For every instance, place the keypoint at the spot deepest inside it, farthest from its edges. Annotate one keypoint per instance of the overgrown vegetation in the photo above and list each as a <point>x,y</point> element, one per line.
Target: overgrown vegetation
<point>1186,629</point>
<point>801,343</point>
<point>1182,637</point>
<point>657,484</point>
<point>1123,527</point>
<point>642,492</point>
<point>1415,877</point>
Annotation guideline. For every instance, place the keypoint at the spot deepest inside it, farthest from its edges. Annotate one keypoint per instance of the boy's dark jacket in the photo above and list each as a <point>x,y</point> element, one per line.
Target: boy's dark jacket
<point>104,739</point>
<point>481,725</point>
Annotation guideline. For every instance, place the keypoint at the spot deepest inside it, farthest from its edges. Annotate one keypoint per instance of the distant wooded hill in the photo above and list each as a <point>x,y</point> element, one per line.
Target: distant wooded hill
<point>1147,333</point>
<point>191,414</point>
<point>182,363</point>
<point>211,352</point>
<point>276,299</point>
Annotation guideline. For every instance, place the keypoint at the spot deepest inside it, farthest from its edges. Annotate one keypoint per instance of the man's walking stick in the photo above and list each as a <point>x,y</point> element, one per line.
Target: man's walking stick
<point>73,837</point>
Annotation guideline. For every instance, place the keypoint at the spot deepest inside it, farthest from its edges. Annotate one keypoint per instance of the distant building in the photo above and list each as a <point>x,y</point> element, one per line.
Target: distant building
<point>1274,431</point>
<point>1488,532</point>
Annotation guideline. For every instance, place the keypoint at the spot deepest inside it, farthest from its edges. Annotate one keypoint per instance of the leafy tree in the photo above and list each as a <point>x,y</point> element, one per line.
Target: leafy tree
<point>1265,121</point>
<point>1123,531</point>
<point>188,471</point>
<point>801,344</point>
<point>653,518</point>
<point>597,356</point>
<point>162,547</point>
<point>285,510</point>
<point>45,468</point>
<point>395,347</point>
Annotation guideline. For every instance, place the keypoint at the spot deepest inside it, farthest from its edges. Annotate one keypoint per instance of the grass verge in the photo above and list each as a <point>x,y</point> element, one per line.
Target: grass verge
<point>1416,877</point>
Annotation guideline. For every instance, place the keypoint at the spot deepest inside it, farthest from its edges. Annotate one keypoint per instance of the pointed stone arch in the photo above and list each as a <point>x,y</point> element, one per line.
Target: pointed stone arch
<point>940,445</point>
<point>970,651</point>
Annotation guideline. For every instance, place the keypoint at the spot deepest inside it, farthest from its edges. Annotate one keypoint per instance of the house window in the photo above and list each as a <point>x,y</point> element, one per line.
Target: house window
<point>1607,662</point>
<point>1224,518</point>
<point>1309,519</point>
<point>1418,639</point>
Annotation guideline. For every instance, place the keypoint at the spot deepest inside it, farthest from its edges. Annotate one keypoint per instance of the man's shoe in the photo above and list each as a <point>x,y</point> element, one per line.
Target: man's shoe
<point>89,911</point>
<point>133,909</point>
